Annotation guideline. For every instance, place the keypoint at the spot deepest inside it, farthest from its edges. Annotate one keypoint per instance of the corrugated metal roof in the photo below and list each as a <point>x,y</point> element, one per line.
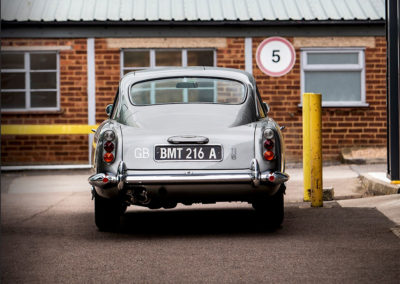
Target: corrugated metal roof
<point>191,10</point>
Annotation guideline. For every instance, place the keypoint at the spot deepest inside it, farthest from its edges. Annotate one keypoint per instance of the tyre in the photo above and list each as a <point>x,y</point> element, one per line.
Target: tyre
<point>107,213</point>
<point>271,209</point>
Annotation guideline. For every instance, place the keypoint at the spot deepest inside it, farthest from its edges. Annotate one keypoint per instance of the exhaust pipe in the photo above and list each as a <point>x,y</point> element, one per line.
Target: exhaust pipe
<point>138,196</point>
<point>141,195</point>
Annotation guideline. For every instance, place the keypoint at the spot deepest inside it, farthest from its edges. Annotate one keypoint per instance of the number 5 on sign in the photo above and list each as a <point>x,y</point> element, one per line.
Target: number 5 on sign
<point>275,56</point>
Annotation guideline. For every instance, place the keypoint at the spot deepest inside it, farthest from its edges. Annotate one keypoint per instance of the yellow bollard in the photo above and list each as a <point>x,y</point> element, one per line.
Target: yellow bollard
<point>316,150</point>
<point>306,147</point>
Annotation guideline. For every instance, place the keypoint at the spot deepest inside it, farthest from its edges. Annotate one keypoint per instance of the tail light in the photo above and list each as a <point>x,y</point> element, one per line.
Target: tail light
<point>268,133</point>
<point>268,151</point>
<point>109,146</point>
<point>269,155</point>
<point>109,135</point>
<point>268,144</point>
<point>108,157</point>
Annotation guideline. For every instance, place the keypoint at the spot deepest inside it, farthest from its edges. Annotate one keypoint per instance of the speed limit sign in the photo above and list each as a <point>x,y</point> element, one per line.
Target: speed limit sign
<point>275,56</point>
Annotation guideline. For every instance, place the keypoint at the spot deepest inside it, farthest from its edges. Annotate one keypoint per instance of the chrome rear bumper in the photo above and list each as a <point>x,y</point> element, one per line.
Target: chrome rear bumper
<point>252,176</point>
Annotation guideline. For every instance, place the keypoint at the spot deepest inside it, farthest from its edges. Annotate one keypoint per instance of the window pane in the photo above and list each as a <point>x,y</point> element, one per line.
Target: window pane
<point>12,100</point>
<point>200,58</point>
<point>43,99</point>
<point>230,92</point>
<point>142,97</point>
<point>332,58</point>
<point>43,80</point>
<point>168,96</point>
<point>205,95</point>
<point>13,80</point>
<point>136,58</point>
<point>335,85</point>
<point>43,61</point>
<point>188,90</point>
<point>12,61</point>
<point>168,58</point>
<point>170,83</point>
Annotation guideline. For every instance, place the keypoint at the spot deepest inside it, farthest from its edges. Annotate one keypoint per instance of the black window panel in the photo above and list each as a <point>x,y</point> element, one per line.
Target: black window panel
<point>44,80</point>
<point>43,61</point>
<point>43,99</point>
<point>12,61</point>
<point>12,100</point>
<point>200,58</point>
<point>12,81</point>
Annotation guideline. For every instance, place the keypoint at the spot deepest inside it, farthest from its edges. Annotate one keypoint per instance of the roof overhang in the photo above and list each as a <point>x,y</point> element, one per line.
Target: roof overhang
<point>73,29</point>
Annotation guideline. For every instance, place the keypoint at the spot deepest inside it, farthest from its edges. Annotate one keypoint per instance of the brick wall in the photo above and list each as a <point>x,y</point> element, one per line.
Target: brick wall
<point>231,56</point>
<point>51,149</point>
<point>342,127</point>
<point>107,62</point>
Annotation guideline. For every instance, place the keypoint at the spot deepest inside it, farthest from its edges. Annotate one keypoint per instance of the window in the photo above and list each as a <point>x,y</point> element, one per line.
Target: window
<point>338,74</point>
<point>136,59</point>
<point>29,81</point>
<point>187,90</point>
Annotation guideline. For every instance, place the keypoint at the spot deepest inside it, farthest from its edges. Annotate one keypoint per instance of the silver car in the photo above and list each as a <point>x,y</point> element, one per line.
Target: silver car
<point>187,135</point>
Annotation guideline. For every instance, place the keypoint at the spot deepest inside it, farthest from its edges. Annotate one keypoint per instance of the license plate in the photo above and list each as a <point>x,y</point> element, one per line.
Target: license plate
<point>188,153</point>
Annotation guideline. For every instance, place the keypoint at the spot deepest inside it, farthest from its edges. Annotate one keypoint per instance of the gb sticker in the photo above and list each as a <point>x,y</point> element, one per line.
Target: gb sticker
<point>142,153</point>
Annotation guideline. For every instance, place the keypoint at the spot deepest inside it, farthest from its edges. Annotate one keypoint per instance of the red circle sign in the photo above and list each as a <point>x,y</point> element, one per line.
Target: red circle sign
<point>275,56</point>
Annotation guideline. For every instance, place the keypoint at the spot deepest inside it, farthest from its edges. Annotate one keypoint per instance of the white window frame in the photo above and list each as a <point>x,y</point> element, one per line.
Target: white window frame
<point>152,51</point>
<point>27,70</point>
<point>335,67</point>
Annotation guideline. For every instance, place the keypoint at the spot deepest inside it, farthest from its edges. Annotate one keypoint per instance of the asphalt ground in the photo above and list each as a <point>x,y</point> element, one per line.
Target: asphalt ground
<point>48,236</point>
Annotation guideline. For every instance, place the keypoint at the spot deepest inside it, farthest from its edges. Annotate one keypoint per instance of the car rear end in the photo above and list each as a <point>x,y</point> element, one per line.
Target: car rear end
<point>203,145</point>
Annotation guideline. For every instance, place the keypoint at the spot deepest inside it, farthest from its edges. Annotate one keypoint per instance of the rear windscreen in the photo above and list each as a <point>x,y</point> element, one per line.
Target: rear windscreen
<point>186,90</point>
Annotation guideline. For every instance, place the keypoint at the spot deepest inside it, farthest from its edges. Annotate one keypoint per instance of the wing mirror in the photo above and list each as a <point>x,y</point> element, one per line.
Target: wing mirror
<point>266,106</point>
<point>109,109</point>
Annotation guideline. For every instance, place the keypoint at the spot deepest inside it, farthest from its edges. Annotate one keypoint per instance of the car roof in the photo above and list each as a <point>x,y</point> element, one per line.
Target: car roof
<point>200,71</point>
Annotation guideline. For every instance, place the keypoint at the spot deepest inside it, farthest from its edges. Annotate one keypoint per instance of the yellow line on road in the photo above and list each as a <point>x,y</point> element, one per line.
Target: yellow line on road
<point>23,129</point>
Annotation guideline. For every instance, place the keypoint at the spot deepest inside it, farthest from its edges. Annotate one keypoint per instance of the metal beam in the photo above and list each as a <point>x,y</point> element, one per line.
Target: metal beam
<point>393,71</point>
<point>99,31</point>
